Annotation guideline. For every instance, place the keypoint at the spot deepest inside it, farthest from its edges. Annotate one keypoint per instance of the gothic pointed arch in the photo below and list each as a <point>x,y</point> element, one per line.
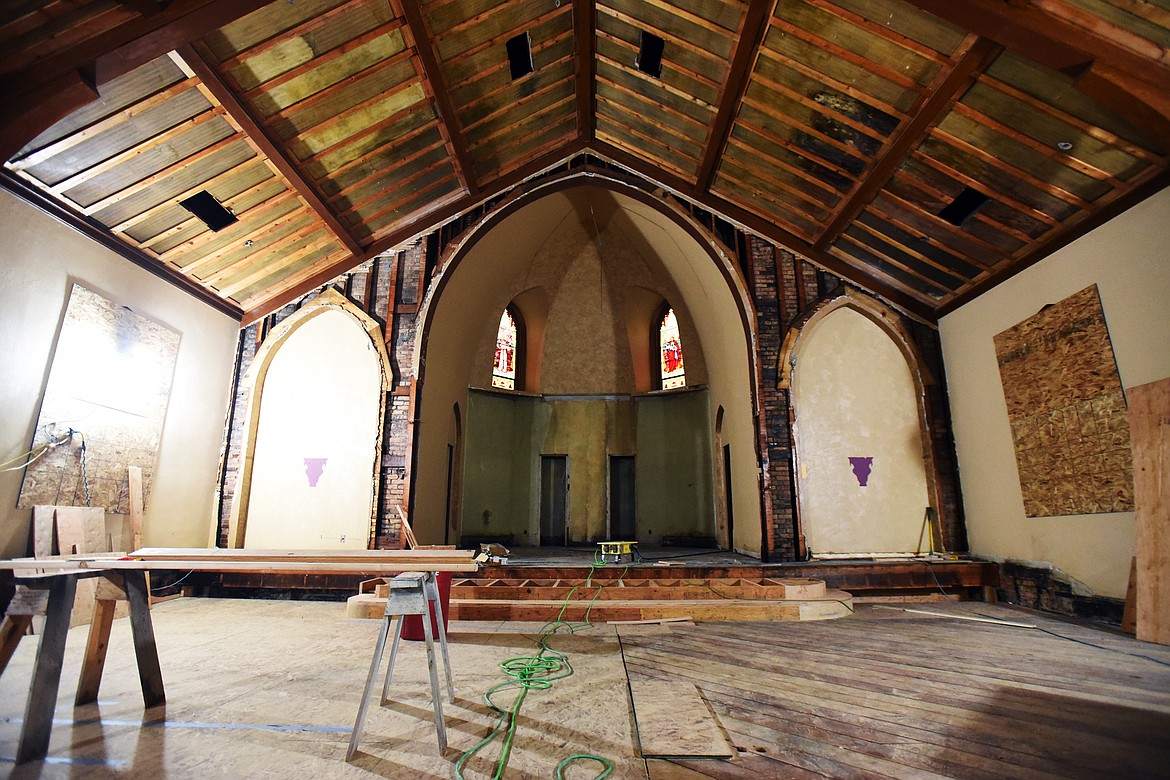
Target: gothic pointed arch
<point>366,333</point>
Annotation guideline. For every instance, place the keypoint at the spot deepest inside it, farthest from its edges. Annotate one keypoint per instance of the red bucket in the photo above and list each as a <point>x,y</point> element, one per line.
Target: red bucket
<point>412,625</point>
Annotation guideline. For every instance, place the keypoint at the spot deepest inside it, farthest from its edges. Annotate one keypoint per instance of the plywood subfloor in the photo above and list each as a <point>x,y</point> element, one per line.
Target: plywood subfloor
<point>269,689</point>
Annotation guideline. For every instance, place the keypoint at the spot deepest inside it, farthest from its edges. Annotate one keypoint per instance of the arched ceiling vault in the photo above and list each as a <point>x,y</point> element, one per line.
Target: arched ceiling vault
<point>925,150</point>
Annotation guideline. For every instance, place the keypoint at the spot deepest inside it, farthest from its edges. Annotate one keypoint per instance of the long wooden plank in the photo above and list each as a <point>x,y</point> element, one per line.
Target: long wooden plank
<point>1149,415</point>
<point>673,720</point>
<point>237,554</point>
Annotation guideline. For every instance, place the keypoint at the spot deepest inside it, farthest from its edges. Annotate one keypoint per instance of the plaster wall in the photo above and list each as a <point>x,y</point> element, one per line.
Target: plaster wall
<point>320,399</point>
<point>1127,260</point>
<point>854,398</point>
<point>41,259</point>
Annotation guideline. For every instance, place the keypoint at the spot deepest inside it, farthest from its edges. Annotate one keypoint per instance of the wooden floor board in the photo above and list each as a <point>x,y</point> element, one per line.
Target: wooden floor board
<point>889,695</point>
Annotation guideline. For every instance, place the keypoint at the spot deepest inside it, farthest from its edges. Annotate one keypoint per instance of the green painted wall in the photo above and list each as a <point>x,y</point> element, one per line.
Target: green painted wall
<point>669,434</point>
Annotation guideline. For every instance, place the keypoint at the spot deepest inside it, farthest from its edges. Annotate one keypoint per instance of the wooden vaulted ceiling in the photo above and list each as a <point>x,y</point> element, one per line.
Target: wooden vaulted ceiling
<point>336,129</point>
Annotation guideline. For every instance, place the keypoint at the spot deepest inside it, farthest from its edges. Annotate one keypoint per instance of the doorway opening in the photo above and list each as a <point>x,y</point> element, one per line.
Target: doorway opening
<point>623,521</point>
<point>554,490</point>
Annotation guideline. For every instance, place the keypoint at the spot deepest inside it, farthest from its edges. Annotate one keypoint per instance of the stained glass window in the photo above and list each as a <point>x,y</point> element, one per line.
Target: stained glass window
<point>670,352</point>
<point>504,368</point>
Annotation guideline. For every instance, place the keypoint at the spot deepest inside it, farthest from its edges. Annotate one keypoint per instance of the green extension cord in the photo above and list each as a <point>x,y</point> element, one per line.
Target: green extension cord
<point>537,672</point>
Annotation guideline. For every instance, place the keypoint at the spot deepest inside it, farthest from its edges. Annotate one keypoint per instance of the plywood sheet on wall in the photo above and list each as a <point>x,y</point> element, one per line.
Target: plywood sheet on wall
<point>109,384</point>
<point>1067,410</point>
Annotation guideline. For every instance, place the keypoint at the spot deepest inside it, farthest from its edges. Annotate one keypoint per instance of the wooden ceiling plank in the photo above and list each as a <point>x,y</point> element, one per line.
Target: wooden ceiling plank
<point>652,148</point>
<point>979,216</point>
<point>378,137</point>
<point>522,148</point>
<point>752,29</point>
<point>802,194</point>
<point>507,170</point>
<point>62,187</point>
<point>665,35</point>
<point>233,286</point>
<point>779,196</point>
<point>797,97</point>
<point>257,213</point>
<point>762,226</point>
<point>1030,211</point>
<point>584,16</point>
<point>794,147</point>
<point>432,74</point>
<point>1090,129</point>
<point>260,255</point>
<point>247,199</point>
<point>466,70</point>
<point>374,175</point>
<point>296,280</point>
<point>401,184</point>
<point>296,220</point>
<point>940,292</point>
<point>495,106</point>
<point>669,67</point>
<point>142,184</point>
<point>973,57</point>
<point>341,117</point>
<point>916,253</point>
<point>1144,9</point>
<point>312,24</point>
<point>1013,171</point>
<point>650,81</point>
<point>249,96</point>
<point>37,156</point>
<point>679,10</point>
<point>857,60</point>
<point>795,198</point>
<point>616,97</point>
<point>520,25</point>
<point>331,186</point>
<point>525,117</point>
<point>880,30</point>
<point>200,62</point>
<point>86,22</point>
<point>953,232</point>
<point>228,203</point>
<point>832,83</point>
<point>1056,35</point>
<point>436,182</point>
<point>1024,139</point>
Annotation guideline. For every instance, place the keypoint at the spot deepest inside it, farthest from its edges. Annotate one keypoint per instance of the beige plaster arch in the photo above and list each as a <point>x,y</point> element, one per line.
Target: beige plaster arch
<point>253,381</point>
<point>889,322</point>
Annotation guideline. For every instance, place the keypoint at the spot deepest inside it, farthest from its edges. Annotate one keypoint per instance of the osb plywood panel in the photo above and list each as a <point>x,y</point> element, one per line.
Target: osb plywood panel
<point>673,720</point>
<point>109,385</point>
<point>1149,416</point>
<point>1067,410</point>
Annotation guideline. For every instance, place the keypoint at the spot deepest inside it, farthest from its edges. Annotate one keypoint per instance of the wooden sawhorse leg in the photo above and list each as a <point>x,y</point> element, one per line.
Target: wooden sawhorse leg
<point>46,679</point>
<point>132,586</point>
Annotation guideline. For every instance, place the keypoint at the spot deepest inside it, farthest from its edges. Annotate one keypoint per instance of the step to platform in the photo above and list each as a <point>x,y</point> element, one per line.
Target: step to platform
<point>598,599</point>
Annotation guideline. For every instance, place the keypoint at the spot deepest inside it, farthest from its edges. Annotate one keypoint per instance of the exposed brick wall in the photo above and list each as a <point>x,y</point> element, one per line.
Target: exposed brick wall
<point>1051,590</point>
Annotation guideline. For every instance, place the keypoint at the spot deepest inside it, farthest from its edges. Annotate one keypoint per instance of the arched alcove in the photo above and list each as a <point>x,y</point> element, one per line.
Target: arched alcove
<point>317,389</point>
<point>863,463</point>
<point>622,251</point>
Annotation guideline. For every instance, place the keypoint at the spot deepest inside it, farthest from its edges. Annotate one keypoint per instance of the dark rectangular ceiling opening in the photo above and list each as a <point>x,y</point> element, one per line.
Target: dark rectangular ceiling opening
<point>963,206</point>
<point>519,55</point>
<point>204,205</point>
<point>649,59</point>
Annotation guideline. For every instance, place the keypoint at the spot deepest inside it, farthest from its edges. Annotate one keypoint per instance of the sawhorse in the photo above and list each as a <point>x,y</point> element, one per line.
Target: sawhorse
<point>410,593</point>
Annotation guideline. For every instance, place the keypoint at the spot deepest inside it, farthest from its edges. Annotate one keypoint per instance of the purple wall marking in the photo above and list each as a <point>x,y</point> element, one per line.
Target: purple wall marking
<point>861,467</point>
<point>313,469</point>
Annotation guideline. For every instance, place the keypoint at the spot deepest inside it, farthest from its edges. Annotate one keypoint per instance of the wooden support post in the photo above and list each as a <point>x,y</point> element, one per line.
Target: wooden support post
<point>104,605</point>
<point>1149,424</point>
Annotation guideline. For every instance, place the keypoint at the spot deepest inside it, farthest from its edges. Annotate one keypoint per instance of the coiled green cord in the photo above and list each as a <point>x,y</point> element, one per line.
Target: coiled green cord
<point>537,672</point>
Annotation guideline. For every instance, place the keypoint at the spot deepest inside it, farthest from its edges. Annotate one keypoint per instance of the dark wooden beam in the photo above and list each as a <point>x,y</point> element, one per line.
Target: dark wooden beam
<point>762,226</point>
<point>419,224</point>
<point>97,232</point>
<point>743,59</point>
<point>433,81</point>
<point>102,58</point>
<point>1056,41</point>
<point>584,14</point>
<point>948,88</point>
<point>201,63</point>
